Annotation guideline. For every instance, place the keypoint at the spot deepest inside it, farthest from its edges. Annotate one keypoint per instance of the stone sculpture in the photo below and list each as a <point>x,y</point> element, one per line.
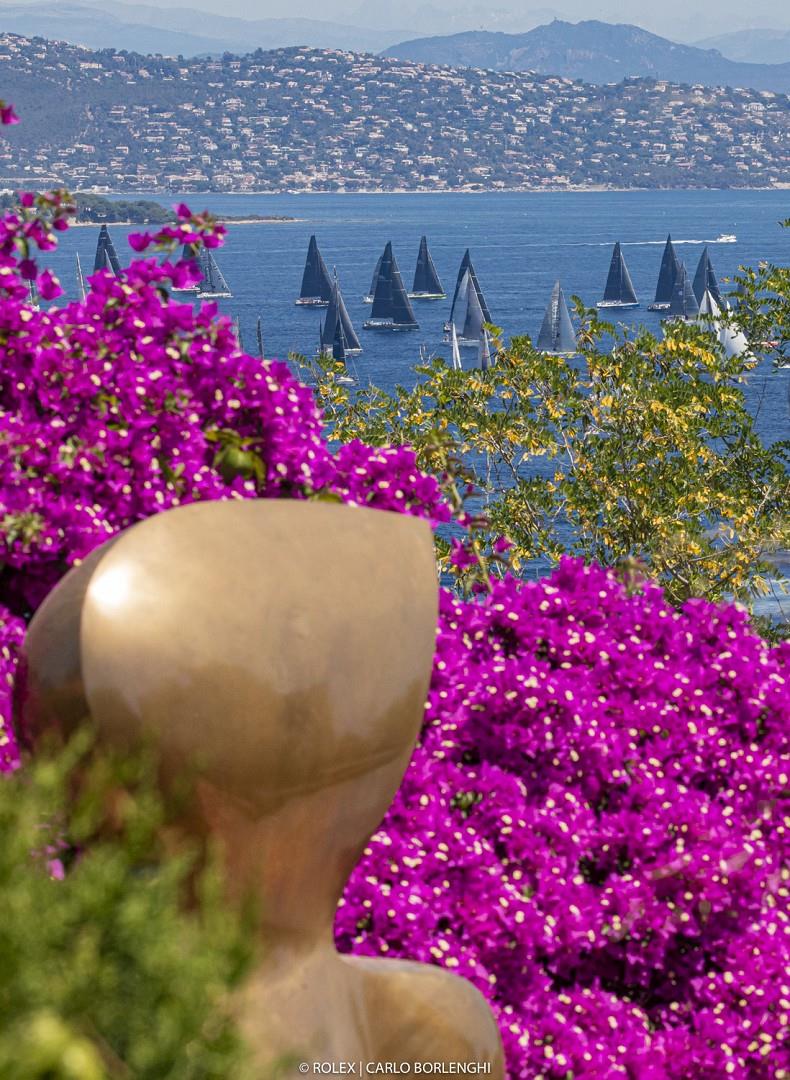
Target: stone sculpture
<point>283,649</point>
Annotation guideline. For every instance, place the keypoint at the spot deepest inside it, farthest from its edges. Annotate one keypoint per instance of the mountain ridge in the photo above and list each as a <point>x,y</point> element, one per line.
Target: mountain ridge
<point>595,52</point>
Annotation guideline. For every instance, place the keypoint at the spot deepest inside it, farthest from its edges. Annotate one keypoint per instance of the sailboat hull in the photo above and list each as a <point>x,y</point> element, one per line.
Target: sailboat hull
<point>658,307</point>
<point>213,295</point>
<point>617,304</point>
<point>194,290</point>
<point>427,296</point>
<point>311,301</point>
<point>387,324</point>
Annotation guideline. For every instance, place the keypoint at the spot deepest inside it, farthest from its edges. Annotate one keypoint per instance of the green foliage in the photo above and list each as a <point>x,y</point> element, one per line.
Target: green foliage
<point>639,452</point>
<point>104,973</point>
<point>98,209</point>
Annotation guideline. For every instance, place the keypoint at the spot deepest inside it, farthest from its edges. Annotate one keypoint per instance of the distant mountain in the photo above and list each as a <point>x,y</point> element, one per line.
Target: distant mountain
<point>596,52</point>
<point>178,31</point>
<point>752,46</point>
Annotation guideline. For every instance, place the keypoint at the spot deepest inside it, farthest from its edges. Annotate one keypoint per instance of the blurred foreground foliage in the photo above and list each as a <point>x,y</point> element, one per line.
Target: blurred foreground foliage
<point>105,970</point>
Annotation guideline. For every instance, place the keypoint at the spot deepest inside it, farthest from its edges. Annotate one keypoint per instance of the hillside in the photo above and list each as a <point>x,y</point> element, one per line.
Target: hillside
<point>316,120</point>
<point>147,29</point>
<point>596,52</point>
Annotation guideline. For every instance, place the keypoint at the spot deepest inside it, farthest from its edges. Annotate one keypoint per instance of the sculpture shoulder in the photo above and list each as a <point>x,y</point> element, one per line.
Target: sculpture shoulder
<point>431,1014</point>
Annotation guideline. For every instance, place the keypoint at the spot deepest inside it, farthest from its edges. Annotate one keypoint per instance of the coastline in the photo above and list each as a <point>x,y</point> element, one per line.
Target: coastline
<point>143,224</point>
<point>542,189</point>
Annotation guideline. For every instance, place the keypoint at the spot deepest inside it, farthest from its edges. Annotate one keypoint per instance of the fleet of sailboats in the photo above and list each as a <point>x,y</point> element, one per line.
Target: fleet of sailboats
<point>698,301</point>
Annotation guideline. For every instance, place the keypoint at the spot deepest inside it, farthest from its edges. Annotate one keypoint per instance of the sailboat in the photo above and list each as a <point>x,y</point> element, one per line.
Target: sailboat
<point>316,288</point>
<point>237,331</point>
<point>705,279</point>
<point>369,298</point>
<point>213,283</point>
<point>683,304</point>
<point>106,256</point>
<point>187,252</point>
<point>732,340</point>
<point>666,278</point>
<point>619,291</point>
<point>557,335</point>
<point>466,264</point>
<point>391,307</point>
<point>427,285</point>
<point>468,318</point>
<point>484,354</point>
<point>81,279</point>
<point>337,314</point>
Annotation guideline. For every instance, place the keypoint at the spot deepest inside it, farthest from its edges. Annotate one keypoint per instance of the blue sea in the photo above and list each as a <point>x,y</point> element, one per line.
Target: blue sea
<point>520,244</point>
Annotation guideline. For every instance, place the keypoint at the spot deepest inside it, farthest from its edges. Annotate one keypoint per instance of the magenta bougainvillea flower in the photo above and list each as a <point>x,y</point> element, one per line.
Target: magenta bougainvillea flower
<point>595,825</point>
<point>595,829</point>
<point>130,402</point>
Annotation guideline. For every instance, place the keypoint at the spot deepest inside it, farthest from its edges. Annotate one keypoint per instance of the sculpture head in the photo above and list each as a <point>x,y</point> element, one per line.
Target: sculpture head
<point>283,649</point>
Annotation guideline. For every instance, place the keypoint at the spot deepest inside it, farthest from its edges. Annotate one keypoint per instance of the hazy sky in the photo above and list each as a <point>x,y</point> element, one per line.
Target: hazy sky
<point>676,19</point>
<point>703,18</point>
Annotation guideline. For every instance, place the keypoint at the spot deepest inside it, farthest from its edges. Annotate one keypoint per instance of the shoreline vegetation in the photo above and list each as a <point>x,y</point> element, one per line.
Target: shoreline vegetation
<point>95,209</point>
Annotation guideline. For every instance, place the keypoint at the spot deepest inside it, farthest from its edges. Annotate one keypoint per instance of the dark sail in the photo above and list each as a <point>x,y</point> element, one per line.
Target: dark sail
<point>556,333</point>
<point>683,304</point>
<point>316,282</point>
<point>106,255</point>
<point>619,287</point>
<point>372,293</point>
<point>473,323</point>
<point>337,315</point>
<point>705,279</point>
<point>391,305</point>
<point>426,279</point>
<point>466,264</point>
<point>259,335</point>
<point>667,274</point>
<point>213,283</point>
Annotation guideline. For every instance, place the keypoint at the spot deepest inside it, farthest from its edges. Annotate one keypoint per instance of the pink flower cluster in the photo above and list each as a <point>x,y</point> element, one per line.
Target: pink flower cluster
<point>130,402</point>
<point>595,829</point>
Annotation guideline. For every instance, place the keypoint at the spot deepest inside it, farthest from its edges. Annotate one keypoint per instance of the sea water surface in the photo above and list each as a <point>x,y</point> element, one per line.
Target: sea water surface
<point>520,244</point>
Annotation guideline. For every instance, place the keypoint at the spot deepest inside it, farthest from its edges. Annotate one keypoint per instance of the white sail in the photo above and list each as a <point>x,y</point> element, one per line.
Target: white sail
<point>732,340</point>
<point>484,353</point>
<point>456,350</point>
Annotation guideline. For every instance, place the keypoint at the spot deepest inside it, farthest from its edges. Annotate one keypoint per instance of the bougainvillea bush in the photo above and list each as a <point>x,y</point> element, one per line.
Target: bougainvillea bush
<point>595,829</point>
<point>594,826</point>
<point>131,402</point>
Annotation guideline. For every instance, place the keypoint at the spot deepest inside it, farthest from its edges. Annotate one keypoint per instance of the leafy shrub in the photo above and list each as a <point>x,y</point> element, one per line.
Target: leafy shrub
<point>103,974</point>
